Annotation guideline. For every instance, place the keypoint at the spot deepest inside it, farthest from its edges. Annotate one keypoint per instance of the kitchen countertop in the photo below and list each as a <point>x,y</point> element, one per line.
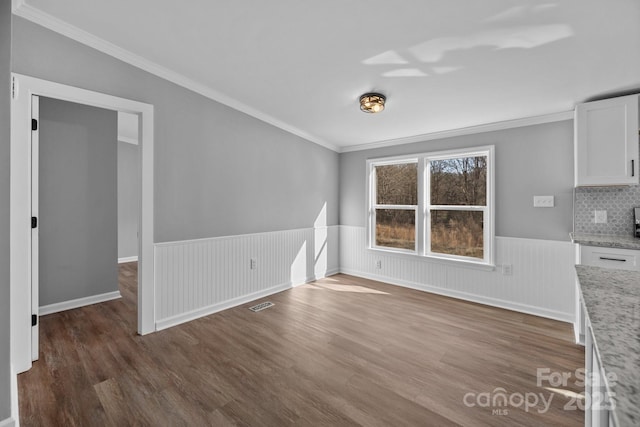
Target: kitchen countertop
<point>606,240</point>
<point>612,302</point>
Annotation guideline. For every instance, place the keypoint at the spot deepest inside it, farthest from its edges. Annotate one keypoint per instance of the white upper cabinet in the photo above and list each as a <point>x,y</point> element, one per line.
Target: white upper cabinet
<point>606,142</point>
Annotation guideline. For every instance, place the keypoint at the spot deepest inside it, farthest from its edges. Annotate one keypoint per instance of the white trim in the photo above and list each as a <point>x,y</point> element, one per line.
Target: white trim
<point>197,277</point>
<point>16,4</point>
<point>128,259</point>
<point>541,281</point>
<point>489,127</point>
<point>493,302</point>
<point>54,24</point>
<point>35,232</point>
<point>77,303</point>
<point>488,211</point>
<point>424,207</point>
<point>235,236</point>
<point>20,8</point>
<point>465,263</point>
<point>14,419</point>
<point>529,239</point>
<point>127,140</point>
<point>215,308</point>
<point>20,204</point>
<point>8,422</point>
<point>372,206</point>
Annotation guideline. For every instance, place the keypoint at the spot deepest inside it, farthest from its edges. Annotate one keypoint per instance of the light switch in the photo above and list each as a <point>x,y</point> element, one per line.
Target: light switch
<point>543,201</point>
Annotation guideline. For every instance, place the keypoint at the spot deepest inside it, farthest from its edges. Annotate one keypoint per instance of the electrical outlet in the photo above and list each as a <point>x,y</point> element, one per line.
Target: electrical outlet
<point>507,269</point>
<point>543,201</point>
<point>378,264</point>
<point>252,264</point>
<point>600,217</point>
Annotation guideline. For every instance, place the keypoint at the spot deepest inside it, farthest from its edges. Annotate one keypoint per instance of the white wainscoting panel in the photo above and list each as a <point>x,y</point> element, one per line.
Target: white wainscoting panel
<point>198,277</point>
<point>542,281</point>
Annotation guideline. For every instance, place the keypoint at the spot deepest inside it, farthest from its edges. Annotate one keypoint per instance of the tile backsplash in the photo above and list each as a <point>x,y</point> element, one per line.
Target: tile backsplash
<point>617,201</point>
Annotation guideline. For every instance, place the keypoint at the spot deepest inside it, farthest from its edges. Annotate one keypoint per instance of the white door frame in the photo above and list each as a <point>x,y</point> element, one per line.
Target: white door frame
<point>35,232</point>
<point>20,204</point>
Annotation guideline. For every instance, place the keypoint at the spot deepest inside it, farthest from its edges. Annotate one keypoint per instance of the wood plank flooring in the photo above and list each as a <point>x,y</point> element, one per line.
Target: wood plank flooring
<point>340,351</point>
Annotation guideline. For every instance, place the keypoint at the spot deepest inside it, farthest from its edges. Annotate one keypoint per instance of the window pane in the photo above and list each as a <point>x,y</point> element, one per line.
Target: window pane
<point>397,184</point>
<point>457,233</point>
<point>396,228</point>
<point>461,181</point>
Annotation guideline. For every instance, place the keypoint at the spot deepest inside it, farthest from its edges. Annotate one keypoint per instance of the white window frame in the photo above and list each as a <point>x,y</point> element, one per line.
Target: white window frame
<point>373,205</point>
<point>423,223</point>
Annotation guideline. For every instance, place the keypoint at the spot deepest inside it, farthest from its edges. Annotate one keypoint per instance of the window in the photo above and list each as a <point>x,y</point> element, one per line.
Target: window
<point>437,205</point>
<point>396,204</point>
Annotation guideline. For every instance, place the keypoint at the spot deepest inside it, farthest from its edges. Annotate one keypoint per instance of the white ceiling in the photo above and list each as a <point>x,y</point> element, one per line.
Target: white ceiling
<point>302,65</point>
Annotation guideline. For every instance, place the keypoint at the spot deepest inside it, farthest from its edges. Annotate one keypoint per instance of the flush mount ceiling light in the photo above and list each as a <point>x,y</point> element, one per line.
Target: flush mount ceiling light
<point>372,102</point>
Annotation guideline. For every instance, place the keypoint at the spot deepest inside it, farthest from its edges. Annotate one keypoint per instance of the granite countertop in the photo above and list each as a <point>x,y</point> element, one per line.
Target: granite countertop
<point>606,240</point>
<point>612,302</point>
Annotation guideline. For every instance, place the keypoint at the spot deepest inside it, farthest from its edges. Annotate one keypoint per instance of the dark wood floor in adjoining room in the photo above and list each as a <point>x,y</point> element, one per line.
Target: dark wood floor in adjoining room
<point>341,351</point>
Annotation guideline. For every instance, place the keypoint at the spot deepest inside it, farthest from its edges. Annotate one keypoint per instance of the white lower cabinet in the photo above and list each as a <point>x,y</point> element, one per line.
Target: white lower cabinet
<point>596,256</point>
<point>620,259</point>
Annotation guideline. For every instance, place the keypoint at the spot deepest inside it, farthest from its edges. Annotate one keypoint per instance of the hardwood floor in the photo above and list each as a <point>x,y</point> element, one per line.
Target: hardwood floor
<point>341,351</point>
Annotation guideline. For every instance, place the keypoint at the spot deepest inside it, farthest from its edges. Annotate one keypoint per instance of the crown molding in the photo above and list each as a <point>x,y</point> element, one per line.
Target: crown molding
<point>23,10</point>
<point>489,127</point>
<point>20,8</point>
<point>16,5</point>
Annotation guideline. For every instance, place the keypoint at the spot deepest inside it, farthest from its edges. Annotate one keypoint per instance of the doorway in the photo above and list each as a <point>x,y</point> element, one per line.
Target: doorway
<point>74,207</point>
<point>128,195</point>
<point>23,304</point>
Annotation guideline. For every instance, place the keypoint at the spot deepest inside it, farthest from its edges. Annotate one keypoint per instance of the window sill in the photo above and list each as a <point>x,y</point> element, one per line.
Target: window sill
<point>435,259</point>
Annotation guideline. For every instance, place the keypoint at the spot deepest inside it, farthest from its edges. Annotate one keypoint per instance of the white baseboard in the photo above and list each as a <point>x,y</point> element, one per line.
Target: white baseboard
<point>215,308</point>
<point>128,259</point>
<point>308,279</point>
<point>196,278</point>
<point>541,278</point>
<point>77,303</point>
<point>14,420</point>
<point>494,302</point>
<point>206,311</point>
<point>8,422</point>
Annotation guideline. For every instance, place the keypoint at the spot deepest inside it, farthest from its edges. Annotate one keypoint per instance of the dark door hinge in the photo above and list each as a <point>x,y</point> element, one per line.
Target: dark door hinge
<point>34,124</point>
<point>34,319</point>
<point>34,222</point>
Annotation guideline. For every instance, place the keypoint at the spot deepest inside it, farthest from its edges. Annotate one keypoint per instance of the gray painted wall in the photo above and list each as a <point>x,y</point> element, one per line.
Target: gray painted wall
<point>5,135</point>
<point>530,161</point>
<point>128,199</point>
<point>217,171</point>
<point>220,172</point>
<point>78,224</point>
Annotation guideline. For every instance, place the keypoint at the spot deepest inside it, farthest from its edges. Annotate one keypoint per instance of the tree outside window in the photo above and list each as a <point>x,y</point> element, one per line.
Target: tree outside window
<point>434,204</point>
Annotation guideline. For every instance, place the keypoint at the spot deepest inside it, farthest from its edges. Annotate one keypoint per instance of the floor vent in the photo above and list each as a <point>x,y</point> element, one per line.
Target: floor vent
<point>261,306</point>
